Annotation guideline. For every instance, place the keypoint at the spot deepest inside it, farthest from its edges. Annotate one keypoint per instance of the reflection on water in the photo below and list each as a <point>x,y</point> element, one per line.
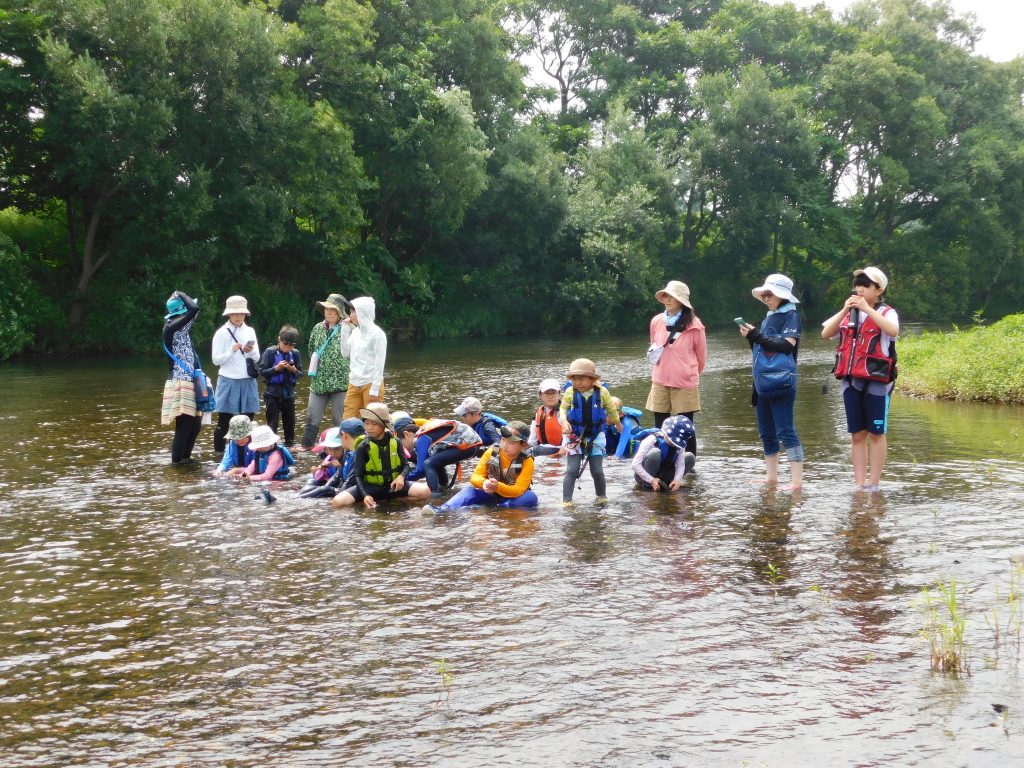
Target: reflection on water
<point>153,616</point>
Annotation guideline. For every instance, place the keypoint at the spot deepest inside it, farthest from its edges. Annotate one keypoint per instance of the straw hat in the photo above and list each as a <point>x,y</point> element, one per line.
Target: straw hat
<point>263,437</point>
<point>581,366</point>
<point>376,412</point>
<point>236,305</point>
<point>678,291</point>
<point>239,427</point>
<point>779,285</point>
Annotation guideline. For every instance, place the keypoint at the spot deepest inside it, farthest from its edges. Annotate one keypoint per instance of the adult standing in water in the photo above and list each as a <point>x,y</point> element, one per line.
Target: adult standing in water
<point>365,345</point>
<point>237,391</point>
<point>679,351</point>
<point>179,400</point>
<point>328,368</point>
<point>775,346</point>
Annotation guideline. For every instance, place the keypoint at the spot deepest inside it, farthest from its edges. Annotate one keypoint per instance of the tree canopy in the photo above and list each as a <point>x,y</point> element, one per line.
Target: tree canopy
<point>486,168</point>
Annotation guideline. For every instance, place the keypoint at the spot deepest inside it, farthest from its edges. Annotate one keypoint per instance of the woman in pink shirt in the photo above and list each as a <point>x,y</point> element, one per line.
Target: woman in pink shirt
<point>679,351</point>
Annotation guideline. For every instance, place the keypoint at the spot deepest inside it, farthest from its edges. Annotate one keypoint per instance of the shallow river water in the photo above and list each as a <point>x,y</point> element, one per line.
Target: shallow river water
<point>153,616</point>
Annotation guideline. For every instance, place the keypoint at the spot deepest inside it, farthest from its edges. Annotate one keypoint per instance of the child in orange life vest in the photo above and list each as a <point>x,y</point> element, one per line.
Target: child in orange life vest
<point>585,409</point>
<point>545,429</point>
<point>866,364</point>
<point>502,477</point>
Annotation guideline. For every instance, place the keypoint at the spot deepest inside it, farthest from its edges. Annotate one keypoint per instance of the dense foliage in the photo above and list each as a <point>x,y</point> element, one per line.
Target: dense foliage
<point>978,363</point>
<point>485,168</point>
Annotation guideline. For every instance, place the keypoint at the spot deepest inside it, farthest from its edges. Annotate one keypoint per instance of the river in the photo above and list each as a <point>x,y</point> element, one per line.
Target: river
<point>153,616</point>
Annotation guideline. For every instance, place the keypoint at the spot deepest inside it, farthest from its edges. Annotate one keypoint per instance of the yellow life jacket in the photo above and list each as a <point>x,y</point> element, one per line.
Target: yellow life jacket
<point>376,473</point>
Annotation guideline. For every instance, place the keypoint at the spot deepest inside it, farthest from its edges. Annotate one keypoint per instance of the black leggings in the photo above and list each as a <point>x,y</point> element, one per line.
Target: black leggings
<point>691,444</point>
<point>186,430</point>
<point>219,434</point>
<point>572,471</point>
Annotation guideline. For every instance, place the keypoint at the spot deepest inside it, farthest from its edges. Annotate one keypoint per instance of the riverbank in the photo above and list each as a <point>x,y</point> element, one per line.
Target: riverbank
<point>978,363</point>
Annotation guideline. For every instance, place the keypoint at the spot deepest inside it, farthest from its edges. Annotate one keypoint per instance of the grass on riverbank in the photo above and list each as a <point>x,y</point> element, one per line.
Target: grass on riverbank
<point>981,363</point>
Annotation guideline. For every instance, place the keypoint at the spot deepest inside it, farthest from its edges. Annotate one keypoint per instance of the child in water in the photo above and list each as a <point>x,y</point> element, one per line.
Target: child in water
<point>502,477</point>
<point>545,429</point>
<point>586,407</point>
<point>237,453</point>
<point>661,459</point>
<point>379,467</point>
<point>281,366</point>
<point>270,461</point>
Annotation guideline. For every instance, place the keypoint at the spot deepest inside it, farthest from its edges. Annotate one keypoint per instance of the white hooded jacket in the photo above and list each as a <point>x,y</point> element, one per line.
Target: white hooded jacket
<point>366,346</point>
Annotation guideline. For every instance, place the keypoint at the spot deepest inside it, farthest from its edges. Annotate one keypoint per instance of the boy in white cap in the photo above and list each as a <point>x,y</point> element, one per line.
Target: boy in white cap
<point>866,364</point>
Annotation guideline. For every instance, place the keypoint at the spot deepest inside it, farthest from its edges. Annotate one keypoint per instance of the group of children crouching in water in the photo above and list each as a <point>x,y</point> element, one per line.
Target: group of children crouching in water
<point>383,455</point>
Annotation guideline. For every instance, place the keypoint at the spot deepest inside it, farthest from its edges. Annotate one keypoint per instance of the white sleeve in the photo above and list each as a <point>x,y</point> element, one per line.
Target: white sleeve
<point>220,348</point>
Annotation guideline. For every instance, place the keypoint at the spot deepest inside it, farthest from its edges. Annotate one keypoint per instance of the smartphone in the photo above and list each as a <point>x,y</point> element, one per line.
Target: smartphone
<point>739,321</point>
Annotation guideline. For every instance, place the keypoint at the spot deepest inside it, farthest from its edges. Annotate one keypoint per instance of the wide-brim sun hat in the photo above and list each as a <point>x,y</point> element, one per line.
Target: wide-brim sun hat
<point>678,291</point>
<point>678,430</point>
<point>336,301</point>
<point>581,366</point>
<point>239,427</point>
<point>548,384</point>
<point>376,412</point>
<point>875,275</point>
<point>236,305</point>
<point>262,437</point>
<point>778,285</point>
<point>515,430</point>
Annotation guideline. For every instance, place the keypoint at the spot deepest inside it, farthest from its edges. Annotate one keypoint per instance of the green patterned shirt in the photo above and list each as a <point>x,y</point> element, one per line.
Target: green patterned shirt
<point>332,375</point>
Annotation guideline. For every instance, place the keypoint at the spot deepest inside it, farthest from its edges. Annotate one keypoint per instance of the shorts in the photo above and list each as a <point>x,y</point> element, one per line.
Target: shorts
<point>865,411</point>
<point>664,399</point>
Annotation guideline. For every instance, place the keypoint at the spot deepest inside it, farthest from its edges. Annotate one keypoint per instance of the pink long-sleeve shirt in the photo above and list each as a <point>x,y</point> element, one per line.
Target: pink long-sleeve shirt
<point>682,362</point>
<point>273,464</point>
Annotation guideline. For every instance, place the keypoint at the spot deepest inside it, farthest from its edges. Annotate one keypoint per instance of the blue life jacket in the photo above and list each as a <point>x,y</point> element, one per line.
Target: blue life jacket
<point>668,452</point>
<point>263,458</point>
<point>587,415</point>
<point>623,441</point>
<point>284,378</point>
<point>496,419</point>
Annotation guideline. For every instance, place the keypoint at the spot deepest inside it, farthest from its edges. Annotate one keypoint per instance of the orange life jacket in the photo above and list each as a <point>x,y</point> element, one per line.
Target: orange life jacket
<point>859,354</point>
<point>549,431</point>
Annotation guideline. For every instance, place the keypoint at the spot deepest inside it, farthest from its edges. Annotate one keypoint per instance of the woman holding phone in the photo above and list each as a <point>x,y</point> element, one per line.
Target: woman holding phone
<point>237,390</point>
<point>775,345</point>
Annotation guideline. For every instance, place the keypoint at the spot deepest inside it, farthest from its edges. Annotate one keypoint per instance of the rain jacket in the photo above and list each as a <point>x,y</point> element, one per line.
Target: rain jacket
<point>366,347</point>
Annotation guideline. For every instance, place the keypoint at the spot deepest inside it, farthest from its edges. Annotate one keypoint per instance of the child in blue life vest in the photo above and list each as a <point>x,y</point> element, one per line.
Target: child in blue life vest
<point>270,461</point>
<point>281,367</point>
<point>866,364</point>
<point>502,477</point>
<point>661,460</point>
<point>405,430</point>
<point>585,409</point>
<point>471,411</point>
<point>237,453</point>
<point>379,467</point>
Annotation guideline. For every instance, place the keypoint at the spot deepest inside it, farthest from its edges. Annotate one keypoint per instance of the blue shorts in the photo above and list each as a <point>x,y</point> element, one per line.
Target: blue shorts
<point>865,411</point>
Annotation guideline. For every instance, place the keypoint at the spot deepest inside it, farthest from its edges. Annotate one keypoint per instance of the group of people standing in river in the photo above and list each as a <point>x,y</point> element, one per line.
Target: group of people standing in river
<point>346,369</point>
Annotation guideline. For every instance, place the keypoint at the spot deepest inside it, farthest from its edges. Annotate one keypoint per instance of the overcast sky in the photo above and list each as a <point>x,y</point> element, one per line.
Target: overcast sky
<point>1003,21</point>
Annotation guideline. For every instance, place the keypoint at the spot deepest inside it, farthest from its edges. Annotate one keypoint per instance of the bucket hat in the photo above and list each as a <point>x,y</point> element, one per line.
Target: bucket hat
<point>469,405</point>
<point>677,430</point>
<point>263,437</point>
<point>678,291</point>
<point>548,384</point>
<point>875,275</point>
<point>235,305</point>
<point>239,427</point>
<point>377,412</point>
<point>175,307</point>
<point>516,430</point>
<point>331,439</point>
<point>779,285</point>
<point>581,366</point>
<point>336,301</point>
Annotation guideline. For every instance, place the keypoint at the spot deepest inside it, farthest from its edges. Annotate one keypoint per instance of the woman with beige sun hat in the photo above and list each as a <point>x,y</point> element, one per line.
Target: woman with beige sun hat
<point>237,390</point>
<point>679,352</point>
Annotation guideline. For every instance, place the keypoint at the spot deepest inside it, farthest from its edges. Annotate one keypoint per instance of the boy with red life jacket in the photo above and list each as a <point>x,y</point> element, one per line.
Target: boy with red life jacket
<point>281,366</point>
<point>866,364</point>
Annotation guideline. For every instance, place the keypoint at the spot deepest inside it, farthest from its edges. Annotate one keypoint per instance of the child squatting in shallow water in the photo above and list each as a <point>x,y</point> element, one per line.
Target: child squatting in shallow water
<point>237,453</point>
<point>586,407</point>
<point>502,477</point>
<point>661,460</point>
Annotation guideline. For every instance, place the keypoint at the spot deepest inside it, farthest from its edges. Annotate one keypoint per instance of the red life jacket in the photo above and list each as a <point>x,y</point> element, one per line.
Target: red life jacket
<point>549,431</point>
<point>859,354</point>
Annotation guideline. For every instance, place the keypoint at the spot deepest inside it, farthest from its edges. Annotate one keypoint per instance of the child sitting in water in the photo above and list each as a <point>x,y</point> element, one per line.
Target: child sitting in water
<point>502,477</point>
<point>379,468</point>
<point>662,459</point>
<point>586,407</point>
<point>270,461</point>
<point>237,453</point>
<point>405,431</point>
<point>338,445</point>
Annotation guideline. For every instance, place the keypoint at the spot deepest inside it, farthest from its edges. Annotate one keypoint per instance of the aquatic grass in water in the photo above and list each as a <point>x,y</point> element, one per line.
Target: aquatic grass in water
<point>944,629</point>
<point>1008,633</point>
<point>447,679</point>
